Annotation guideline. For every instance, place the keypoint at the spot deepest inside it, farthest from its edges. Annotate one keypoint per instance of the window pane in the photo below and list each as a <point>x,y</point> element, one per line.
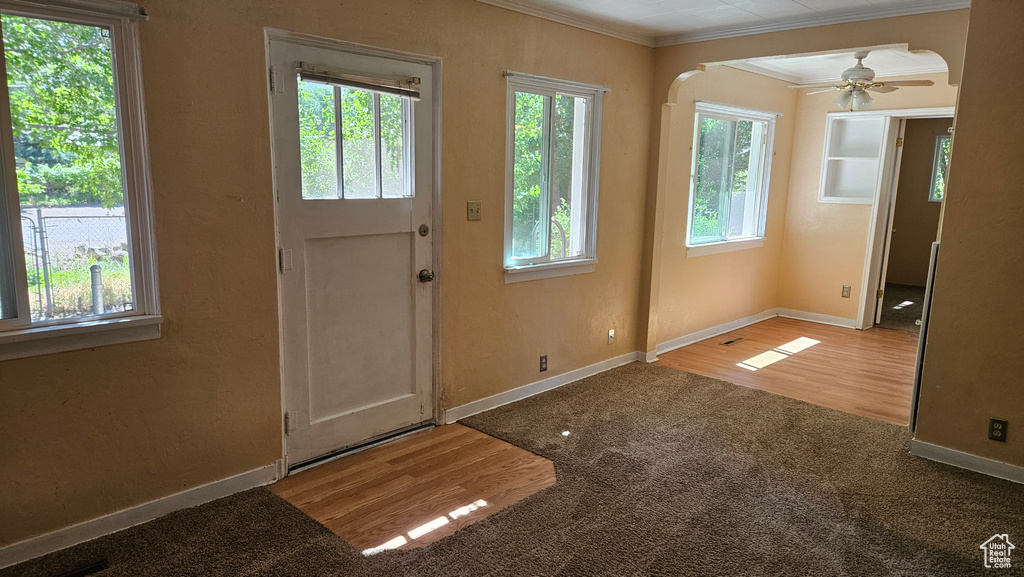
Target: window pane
<point>567,177</point>
<point>63,109</point>
<point>743,204</point>
<point>714,178</point>
<point>318,151</point>
<point>392,147</point>
<point>358,144</point>
<point>529,197</point>
<point>941,167</point>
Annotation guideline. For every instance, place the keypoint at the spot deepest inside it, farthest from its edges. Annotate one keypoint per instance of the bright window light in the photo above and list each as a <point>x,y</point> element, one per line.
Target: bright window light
<point>392,544</point>
<point>466,510</point>
<point>795,346</point>
<point>428,527</point>
<point>762,360</point>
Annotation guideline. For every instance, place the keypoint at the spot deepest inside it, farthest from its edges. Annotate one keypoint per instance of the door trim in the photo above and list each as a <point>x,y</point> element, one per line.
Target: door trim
<point>303,39</point>
<point>879,209</point>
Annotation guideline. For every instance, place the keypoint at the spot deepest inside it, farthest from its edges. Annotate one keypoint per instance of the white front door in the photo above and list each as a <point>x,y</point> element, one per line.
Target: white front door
<point>353,175</point>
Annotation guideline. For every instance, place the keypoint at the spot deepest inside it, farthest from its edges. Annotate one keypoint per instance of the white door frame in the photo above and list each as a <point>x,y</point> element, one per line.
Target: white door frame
<point>881,206</point>
<point>273,34</point>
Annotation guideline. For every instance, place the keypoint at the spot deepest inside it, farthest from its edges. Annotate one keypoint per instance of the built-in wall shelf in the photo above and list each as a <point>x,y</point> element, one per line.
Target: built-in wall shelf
<point>852,158</point>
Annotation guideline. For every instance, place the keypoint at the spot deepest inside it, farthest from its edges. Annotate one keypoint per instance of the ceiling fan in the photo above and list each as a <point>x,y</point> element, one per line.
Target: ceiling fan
<point>857,81</point>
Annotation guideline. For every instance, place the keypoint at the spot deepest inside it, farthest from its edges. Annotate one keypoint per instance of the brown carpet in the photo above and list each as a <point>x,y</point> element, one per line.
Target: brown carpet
<point>663,473</point>
<point>897,315</point>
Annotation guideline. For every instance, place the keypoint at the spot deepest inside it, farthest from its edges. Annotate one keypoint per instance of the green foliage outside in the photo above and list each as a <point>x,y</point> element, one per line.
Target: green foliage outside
<point>529,201</point>
<point>722,166</point>
<point>63,112</point>
<point>61,85</point>
<point>941,167</point>
<point>318,147</point>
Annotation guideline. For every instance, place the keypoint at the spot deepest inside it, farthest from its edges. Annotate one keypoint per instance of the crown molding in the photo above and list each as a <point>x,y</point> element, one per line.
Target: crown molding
<point>909,8</point>
<point>753,68</point>
<point>858,15</point>
<point>581,22</point>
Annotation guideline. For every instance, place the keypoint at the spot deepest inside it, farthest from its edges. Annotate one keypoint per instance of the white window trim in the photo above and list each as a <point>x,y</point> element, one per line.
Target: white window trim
<point>526,270</point>
<point>724,246</point>
<point>21,339</point>
<point>935,167</point>
<point>731,112</point>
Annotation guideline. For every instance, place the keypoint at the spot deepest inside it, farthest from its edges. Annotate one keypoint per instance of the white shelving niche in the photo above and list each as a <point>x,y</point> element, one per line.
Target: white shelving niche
<point>852,162</point>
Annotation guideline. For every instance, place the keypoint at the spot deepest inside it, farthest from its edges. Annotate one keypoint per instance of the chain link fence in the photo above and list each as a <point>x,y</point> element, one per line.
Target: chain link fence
<point>77,262</point>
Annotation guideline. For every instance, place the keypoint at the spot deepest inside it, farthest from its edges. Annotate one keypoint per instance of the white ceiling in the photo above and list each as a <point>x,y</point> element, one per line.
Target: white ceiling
<point>667,22</point>
<point>886,62</point>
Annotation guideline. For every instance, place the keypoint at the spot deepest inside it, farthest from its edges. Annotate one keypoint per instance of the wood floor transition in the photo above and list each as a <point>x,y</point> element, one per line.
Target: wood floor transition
<point>867,373</point>
<point>415,490</point>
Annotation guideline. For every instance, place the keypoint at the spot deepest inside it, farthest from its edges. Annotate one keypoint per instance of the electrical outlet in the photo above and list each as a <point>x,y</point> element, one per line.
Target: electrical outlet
<point>475,210</point>
<point>846,291</point>
<point>611,336</point>
<point>997,430</point>
<point>543,363</point>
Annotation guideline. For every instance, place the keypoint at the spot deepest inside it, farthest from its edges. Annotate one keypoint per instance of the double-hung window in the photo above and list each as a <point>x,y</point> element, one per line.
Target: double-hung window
<point>940,166</point>
<point>551,177</point>
<point>76,248</point>
<point>730,174</point>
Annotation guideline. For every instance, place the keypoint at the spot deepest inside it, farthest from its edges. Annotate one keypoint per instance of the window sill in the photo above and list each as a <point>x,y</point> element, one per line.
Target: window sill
<point>725,246</point>
<point>35,341</point>
<point>548,270</point>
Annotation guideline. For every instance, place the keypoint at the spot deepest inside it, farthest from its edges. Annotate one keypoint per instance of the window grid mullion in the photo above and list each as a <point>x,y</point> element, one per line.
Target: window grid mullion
<point>377,178</point>
<point>339,146</point>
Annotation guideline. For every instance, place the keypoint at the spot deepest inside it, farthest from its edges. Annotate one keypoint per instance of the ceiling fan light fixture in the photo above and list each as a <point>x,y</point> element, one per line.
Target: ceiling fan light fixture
<point>862,100</point>
<point>843,100</point>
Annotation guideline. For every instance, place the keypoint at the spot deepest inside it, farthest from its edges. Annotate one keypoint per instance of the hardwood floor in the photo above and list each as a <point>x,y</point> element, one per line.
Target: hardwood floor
<point>867,373</point>
<point>448,476</point>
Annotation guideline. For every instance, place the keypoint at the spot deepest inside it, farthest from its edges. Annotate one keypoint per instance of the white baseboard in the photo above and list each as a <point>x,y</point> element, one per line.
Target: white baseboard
<point>817,318</point>
<point>648,357</point>
<point>713,331</point>
<point>967,461</point>
<point>461,412</point>
<point>75,534</point>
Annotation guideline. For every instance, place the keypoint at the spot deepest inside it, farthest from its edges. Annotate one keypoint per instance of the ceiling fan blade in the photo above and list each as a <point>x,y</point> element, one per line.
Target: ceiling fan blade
<point>909,83</point>
<point>820,91</point>
<point>836,86</point>
<point>883,89</point>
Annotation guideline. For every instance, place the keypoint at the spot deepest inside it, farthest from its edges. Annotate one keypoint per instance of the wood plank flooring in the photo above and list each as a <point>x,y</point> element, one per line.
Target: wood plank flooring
<point>393,492</point>
<point>867,373</point>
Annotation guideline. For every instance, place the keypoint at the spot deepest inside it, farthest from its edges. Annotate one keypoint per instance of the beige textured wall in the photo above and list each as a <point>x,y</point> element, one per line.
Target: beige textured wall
<point>826,242</point>
<point>728,285</point>
<point>972,369</point>
<point>916,220</point>
<point>91,432</point>
<point>941,32</point>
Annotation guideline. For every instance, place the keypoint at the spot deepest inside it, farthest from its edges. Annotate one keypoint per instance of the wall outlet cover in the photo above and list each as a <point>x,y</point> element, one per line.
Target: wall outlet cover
<point>997,429</point>
<point>543,363</point>
<point>474,210</point>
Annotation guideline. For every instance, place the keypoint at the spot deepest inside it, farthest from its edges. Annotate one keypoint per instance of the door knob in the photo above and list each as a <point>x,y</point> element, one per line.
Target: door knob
<point>425,275</point>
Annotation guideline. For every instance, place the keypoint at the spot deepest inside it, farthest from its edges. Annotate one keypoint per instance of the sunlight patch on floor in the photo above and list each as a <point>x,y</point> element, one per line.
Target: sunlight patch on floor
<point>779,353</point>
<point>425,528</point>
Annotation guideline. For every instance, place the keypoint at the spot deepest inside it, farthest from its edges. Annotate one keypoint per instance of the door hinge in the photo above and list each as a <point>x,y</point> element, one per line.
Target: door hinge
<point>879,294</point>
<point>284,259</point>
<point>899,142</point>
<point>287,423</point>
<point>274,88</point>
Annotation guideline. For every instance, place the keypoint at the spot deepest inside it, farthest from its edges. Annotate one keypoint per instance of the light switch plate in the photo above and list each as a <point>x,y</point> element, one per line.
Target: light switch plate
<point>474,210</point>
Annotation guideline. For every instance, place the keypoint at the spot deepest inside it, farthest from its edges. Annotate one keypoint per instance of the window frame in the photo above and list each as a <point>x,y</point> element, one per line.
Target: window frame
<point>935,166</point>
<point>378,146</point>
<point>732,113</point>
<point>517,270</point>
<point>19,336</point>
